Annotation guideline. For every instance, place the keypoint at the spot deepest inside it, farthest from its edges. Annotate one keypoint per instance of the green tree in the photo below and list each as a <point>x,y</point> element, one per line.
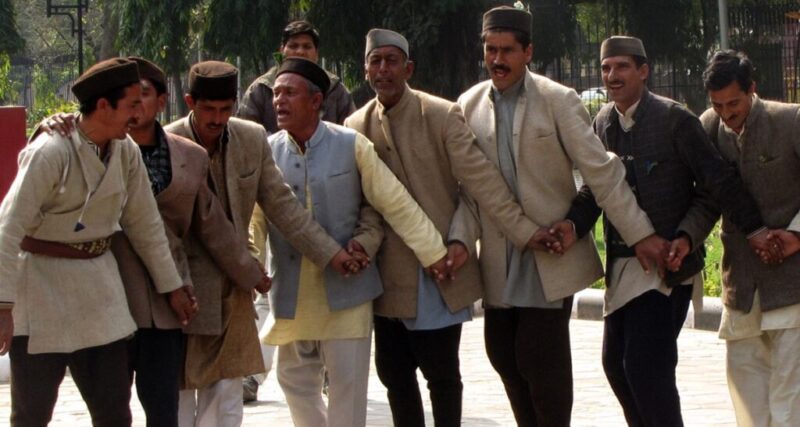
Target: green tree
<point>162,32</point>
<point>256,34</point>
<point>11,41</point>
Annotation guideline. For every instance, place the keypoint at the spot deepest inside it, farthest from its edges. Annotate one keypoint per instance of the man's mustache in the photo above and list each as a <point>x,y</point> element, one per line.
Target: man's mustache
<point>501,67</point>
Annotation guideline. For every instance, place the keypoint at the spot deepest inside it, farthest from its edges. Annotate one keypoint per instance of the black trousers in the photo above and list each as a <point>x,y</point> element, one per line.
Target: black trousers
<point>156,356</point>
<point>398,354</point>
<point>530,350</point>
<point>99,372</point>
<point>640,354</point>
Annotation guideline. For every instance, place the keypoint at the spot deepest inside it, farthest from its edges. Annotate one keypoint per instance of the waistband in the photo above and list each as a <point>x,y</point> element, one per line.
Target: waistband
<point>81,250</point>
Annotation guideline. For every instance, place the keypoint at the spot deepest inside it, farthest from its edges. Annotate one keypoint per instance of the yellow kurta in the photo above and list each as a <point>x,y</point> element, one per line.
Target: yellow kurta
<point>313,319</point>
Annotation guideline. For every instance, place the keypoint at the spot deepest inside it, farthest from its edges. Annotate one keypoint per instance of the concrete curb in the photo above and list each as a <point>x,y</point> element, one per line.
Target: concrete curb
<point>588,305</point>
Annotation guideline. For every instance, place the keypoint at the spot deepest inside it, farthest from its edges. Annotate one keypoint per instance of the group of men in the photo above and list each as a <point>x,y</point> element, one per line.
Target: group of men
<point>134,248</point>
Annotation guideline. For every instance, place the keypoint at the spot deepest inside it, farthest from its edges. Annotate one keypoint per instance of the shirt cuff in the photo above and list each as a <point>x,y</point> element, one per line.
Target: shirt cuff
<point>756,232</point>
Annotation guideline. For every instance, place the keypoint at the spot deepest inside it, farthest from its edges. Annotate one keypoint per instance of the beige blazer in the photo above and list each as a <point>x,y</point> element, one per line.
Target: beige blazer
<point>224,340</point>
<point>426,143</point>
<point>552,136</point>
<point>187,205</point>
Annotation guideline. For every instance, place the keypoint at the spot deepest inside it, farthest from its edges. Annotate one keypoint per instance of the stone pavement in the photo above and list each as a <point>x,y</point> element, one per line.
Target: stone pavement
<point>701,379</point>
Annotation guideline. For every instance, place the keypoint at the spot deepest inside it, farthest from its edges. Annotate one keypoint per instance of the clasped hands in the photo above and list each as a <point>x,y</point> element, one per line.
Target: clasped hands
<point>771,245</point>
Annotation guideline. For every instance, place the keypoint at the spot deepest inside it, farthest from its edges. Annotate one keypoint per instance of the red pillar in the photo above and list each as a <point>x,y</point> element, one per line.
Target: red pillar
<point>12,139</point>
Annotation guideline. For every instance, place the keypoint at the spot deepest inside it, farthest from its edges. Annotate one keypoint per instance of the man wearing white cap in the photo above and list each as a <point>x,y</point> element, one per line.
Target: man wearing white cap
<point>426,143</point>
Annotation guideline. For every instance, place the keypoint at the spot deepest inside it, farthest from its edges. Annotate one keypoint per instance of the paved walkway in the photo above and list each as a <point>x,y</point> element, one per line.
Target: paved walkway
<point>701,379</point>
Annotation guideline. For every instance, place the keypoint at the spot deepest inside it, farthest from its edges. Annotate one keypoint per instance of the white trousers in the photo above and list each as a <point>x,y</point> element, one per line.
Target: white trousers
<point>764,378</point>
<point>300,373</point>
<point>264,324</point>
<point>218,405</point>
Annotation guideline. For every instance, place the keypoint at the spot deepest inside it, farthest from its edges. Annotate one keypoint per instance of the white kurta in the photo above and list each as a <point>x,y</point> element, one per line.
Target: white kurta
<point>65,305</point>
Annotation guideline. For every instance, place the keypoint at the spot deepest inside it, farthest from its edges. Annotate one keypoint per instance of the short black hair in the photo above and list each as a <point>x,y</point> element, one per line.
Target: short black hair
<point>201,95</point>
<point>296,28</point>
<point>521,37</point>
<point>726,67</point>
<point>160,88</point>
<point>112,96</point>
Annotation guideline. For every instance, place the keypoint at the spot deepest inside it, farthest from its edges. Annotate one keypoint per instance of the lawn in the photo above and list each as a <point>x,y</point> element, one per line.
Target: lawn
<point>711,282</point>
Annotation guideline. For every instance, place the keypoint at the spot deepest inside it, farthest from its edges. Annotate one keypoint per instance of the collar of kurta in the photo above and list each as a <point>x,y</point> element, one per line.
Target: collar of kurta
<point>315,140</point>
<point>223,138</point>
<point>401,104</point>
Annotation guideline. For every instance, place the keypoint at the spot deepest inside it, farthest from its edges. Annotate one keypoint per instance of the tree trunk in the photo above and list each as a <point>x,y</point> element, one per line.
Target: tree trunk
<point>108,43</point>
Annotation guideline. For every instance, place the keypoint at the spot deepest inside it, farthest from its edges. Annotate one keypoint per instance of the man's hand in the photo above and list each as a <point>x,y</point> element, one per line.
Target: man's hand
<point>62,123</point>
<point>358,253</point>
<point>457,256</point>
<point>789,241</point>
<point>439,270</point>
<point>653,248</point>
<point>769,250</point>
<point>344,263</point>
<point>678,249</point>
<point>564,230</point>
<point>543,240</point>
<point>184,304</point>
<point>264,285</point>
<point>6,330</point>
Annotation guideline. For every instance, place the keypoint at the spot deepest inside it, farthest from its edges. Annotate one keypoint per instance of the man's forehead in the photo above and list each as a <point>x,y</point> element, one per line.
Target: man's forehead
<point>621,59</point>
<point>300,38</point>
<point>386,51</point>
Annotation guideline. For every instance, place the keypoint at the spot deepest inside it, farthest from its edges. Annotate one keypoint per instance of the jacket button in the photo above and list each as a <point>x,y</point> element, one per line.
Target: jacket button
<point>500,235</point>
<point>295,188</point>
<point>291,257</point>
<point>297,165</point>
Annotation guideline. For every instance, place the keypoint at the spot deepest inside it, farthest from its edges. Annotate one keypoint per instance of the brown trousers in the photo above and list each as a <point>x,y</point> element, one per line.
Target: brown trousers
<point>101,374</point>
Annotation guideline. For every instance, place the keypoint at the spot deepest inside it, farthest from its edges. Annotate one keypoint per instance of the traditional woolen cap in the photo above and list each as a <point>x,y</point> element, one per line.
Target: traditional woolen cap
<point>213,80</point>
<point>507,18</point>
<point>379,37</point>
<point>622,46</point>
<point>152,72</point>
<point>105,76</point>
<point>308,69</point>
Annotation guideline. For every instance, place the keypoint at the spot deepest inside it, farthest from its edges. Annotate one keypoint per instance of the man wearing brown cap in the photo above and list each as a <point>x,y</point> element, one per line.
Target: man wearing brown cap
<point>425,142</point>
<point>761,321</point>
<point>536,131</point>
<point>69,307</point>
<point>322,319</point>
<point>222,344</point>
<point>178,171</point>
<point>679,179</point>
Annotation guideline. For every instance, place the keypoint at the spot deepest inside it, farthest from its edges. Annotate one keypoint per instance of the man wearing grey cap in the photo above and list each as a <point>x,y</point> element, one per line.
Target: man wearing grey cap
<point>679,179</point>
<point>425,142</point>
<point>536,131</point>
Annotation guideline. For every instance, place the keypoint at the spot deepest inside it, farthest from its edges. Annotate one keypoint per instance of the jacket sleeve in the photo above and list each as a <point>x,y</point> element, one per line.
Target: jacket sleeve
<point>584,211</point>
<point>601,170</point>
<point>716,178</point>
<point>142,223</point>
<point>179,256</point>
<point>465,226</point>
<point>369,230</point>
<point>291,218</point>
<point>344,104</point>
<point>483,181</point>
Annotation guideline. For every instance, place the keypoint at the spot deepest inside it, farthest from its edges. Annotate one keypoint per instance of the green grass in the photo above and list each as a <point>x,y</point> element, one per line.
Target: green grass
<point>711,277</point>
